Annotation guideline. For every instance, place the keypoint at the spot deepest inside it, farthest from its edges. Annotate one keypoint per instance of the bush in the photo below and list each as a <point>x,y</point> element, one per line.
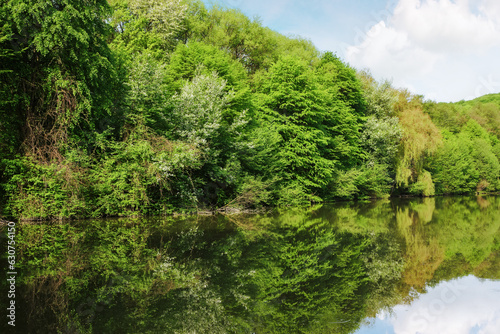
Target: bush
<point>424,185</point>
<point>371,181</point>
<point>141,175</point>
<point>41,191</point>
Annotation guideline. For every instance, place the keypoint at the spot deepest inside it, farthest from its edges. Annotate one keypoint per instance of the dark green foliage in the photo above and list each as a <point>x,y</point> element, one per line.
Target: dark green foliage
<point>64,71</point>
<point>142,174</point>
<point>344,110</point>
<point>10,123</point>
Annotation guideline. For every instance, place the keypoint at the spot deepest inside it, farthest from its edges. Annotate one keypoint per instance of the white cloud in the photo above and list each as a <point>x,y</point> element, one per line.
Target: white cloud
<point>456,307</point>
<point>438,48</point>
<point>383,43</point>
<point>444,26</point>
<point>491,8</point>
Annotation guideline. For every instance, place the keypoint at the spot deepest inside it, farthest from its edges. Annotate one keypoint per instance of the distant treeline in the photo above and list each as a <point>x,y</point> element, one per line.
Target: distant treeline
<point>128,107</point>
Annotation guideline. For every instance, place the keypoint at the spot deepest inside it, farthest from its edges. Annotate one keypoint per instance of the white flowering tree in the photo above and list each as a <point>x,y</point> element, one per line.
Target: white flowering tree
<point>164,16</point>
<point>147,24</point>
<point>199,113</point>
<point>381,138</point>
<point>203,117</point>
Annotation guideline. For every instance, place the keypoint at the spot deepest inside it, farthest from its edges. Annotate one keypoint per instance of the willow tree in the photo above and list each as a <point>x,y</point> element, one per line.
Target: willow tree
<point>420,138</point>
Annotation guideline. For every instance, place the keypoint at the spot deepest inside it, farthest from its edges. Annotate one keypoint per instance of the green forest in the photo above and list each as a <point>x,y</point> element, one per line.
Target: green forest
<point>138,107</point>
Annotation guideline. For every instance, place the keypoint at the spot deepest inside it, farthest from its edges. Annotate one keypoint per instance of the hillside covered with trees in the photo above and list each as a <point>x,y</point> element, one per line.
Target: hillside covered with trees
<point>128,107</point>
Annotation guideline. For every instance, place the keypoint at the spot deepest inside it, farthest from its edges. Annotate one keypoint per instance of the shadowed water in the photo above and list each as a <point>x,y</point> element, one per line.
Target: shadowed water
<point>395,266</point>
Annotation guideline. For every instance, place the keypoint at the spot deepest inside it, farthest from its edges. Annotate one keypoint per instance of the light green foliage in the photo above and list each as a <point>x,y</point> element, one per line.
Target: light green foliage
<point>485,110</point>
<point>468,228</point>
<point>380,97</point>
<point>485,161</point>
<point>185,64</point>
<point>148,98</point>
<point>254,46</point>
<point>424,185</point>
<point>467,162</point>
<point>446,116</point>
<point>475,131</point>
<point>317,114</point>
<point>147,24</point>
<point>496,147</point>
<point>295,46</point>
<point>381,139</point>
<point>453,166</point>
<point>489,98</point>
<point>199,108</point>
<point>421,138</point>
<point>164,17</point>
<point>382,131</point>
<point>342,82</point>
<point>294,102</point>
<point>229,29</point>
<point>186,59</point>
<point>37,191</point>
<point>372,180</point>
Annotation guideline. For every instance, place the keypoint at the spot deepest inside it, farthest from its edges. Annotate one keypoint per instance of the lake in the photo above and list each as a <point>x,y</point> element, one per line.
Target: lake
<point>422,265</point>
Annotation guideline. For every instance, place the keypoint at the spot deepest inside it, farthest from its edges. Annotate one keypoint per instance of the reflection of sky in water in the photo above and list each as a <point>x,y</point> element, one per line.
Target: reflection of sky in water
<point>466,305</point>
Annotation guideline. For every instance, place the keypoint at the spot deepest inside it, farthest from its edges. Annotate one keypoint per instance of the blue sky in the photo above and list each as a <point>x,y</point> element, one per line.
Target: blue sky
<point>446,50</point>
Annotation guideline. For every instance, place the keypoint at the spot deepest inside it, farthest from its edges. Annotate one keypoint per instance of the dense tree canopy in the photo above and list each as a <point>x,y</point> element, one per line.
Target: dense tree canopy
<point>141,106</point>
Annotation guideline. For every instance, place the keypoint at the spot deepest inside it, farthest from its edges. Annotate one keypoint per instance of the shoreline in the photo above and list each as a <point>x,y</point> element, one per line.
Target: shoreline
<point>228,211</point>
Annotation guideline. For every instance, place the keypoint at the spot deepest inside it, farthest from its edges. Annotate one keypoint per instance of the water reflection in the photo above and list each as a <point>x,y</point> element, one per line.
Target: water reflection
<point>465,305</point>
<point>322,270</point>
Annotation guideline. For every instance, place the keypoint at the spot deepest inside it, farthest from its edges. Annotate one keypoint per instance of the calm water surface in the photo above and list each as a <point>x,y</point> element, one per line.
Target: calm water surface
<point>395,266</point>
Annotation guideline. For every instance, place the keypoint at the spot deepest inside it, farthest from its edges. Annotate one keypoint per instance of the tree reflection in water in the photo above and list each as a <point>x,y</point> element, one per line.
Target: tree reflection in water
<point>317,270</point>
